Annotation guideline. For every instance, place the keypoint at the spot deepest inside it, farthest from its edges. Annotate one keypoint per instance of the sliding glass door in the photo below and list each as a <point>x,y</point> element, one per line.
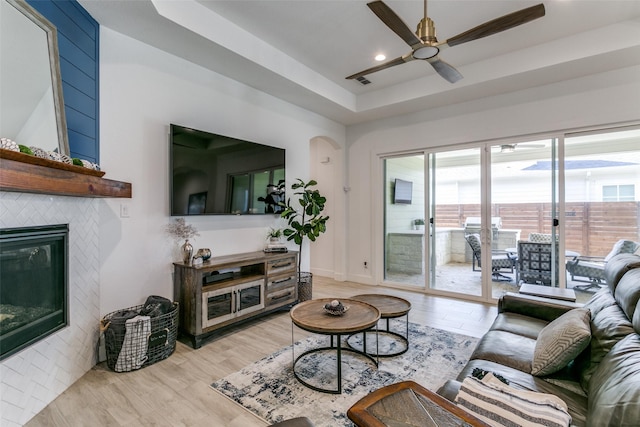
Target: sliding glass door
<point>455,201</point>
<point>523,193</point>
<point>602,202</point>
<point>404,220</point>
<point>501,214</point>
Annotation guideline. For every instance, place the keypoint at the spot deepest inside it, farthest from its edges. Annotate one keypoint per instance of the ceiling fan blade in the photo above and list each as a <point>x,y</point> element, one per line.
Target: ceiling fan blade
<point>498,25</point>
<point>445,70</point>
<point>388,64</point>
<point>394,22</point>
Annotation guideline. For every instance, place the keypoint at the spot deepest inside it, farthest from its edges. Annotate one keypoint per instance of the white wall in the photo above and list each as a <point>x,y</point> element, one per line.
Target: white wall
<point>591,101</point>
<point>142,91</point>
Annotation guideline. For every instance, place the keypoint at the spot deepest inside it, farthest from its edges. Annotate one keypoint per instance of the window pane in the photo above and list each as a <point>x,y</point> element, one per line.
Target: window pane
<point>610,193</point>
<point>627,193</point>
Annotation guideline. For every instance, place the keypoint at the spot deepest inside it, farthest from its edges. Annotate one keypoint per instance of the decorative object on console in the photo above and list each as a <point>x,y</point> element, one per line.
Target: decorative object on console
<point>203,253</point>
<point>309,222</point>
<point>181,230</point>
<point>418,224</point>
<point>187,251</point>
<point>274,234</point>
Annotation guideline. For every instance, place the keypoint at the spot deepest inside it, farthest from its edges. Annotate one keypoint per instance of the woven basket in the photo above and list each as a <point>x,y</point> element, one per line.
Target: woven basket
<point>160,342</point>
<point>305,286</point>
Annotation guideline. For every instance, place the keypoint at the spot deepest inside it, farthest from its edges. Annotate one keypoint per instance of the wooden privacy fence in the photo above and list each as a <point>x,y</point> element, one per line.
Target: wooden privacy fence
<point>591,228</point>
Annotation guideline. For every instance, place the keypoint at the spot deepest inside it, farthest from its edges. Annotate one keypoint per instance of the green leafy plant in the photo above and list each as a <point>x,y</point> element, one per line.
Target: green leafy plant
<point>306,219</point>
<point>274,232</point>
<point>418,221</point>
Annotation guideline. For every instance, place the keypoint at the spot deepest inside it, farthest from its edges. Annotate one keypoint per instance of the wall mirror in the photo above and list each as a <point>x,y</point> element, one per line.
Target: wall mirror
<point>31,103</point>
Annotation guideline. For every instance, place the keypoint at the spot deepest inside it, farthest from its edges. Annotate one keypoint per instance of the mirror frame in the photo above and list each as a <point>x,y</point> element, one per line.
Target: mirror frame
<point>54,64</point>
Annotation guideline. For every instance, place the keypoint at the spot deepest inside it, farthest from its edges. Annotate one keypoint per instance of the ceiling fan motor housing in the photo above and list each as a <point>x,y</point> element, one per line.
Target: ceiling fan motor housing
<point>427,33</point>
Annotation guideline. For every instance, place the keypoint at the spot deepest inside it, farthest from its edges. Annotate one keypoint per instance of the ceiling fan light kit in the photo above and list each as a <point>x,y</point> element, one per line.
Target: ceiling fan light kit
<point>424,44</point>
<point>425,52</point>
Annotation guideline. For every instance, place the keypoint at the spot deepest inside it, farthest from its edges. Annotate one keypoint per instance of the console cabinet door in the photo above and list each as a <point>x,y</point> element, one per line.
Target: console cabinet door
<point>249,297</point>
<point>225,304</point>
<point>217,306</point>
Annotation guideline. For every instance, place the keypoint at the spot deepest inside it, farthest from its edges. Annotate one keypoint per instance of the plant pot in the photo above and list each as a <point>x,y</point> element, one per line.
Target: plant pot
<point>305,285</point>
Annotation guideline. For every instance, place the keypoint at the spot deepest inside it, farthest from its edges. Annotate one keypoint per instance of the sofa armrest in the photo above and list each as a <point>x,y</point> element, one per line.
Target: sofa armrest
<point>541,308</point>
<point>449,390</point>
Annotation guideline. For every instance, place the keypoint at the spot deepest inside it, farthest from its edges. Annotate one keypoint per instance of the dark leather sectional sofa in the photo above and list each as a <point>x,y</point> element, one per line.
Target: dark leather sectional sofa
<point>601,386</point>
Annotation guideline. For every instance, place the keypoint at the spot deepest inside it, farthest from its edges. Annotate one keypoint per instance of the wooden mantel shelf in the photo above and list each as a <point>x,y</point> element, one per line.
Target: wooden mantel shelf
<point>29,174</point>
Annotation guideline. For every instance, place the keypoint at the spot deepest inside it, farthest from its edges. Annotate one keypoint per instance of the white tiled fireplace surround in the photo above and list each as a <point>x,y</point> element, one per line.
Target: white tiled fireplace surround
<point>34,377</point>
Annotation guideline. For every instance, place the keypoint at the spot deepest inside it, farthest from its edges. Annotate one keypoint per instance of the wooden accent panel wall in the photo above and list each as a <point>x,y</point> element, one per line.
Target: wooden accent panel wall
<point>78,43</point>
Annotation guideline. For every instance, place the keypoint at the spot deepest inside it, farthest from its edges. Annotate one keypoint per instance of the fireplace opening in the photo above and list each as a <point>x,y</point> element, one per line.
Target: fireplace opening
<point>33,285</point>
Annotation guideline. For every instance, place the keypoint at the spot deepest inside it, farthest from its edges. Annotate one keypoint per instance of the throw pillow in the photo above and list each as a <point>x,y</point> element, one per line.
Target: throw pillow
<point>561,341</point>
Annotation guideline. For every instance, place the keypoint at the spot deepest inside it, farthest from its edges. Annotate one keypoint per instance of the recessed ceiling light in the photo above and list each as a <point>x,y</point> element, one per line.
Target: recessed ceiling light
<point>380,57</point>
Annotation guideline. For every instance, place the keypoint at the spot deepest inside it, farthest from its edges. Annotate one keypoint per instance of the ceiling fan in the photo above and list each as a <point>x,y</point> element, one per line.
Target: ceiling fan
<point>510,148</point>
<point>424,44</point>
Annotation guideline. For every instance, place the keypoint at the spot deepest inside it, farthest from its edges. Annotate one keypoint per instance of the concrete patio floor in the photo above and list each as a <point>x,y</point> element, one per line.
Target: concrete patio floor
<point>459,277</point>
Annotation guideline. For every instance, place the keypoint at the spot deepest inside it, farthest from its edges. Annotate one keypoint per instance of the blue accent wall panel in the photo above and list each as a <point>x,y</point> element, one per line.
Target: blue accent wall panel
<point>78,43</point>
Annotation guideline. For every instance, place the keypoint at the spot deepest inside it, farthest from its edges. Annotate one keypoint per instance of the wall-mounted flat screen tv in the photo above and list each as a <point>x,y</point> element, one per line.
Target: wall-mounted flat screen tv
<point>215,174</point>
<point>402,191</point>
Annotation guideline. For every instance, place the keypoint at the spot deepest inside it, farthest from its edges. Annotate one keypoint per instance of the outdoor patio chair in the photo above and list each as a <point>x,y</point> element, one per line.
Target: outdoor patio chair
<point>592,268</point>
<point>500,260</point>
<point>534,263</point>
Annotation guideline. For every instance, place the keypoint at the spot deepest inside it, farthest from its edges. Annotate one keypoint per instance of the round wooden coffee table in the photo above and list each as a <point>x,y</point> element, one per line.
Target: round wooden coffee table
<point>310,316</point>
<point>391,307</point>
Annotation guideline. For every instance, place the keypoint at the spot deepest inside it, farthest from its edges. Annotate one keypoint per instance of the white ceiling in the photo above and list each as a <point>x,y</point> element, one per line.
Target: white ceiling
<point>302,50</point>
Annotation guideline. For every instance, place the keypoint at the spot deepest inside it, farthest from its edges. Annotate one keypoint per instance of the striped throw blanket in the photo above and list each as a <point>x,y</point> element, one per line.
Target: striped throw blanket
<point>498,404</point>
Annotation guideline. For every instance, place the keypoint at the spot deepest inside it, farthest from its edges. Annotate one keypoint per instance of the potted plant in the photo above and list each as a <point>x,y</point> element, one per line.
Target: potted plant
<point>304,220</point>
<point>418,224</point>
<point>274,235</point>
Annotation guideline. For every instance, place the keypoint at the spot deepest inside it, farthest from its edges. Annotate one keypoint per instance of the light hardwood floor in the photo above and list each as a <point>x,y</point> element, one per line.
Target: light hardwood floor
<point>176,391</point>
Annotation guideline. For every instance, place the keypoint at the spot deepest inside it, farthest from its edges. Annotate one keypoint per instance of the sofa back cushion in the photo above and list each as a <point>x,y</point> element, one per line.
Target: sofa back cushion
<point>618,266</point>
<point>627,292</point>
<point>609,324</point>
<point>614,390</point>
<point>611,314</point>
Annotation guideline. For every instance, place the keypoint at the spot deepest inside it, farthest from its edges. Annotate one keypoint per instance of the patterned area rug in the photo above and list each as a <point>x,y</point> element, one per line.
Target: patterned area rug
<point>269,389</point>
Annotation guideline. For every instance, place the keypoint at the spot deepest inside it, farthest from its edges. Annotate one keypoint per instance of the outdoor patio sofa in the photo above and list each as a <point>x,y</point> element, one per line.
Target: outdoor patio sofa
<point>589,357</point>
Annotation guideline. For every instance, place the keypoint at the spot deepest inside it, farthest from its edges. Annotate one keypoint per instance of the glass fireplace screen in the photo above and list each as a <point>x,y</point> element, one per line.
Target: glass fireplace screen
<point>33,285</point>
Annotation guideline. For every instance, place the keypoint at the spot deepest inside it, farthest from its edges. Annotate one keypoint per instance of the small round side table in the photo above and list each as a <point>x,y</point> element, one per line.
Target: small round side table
<point>391,307</point>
